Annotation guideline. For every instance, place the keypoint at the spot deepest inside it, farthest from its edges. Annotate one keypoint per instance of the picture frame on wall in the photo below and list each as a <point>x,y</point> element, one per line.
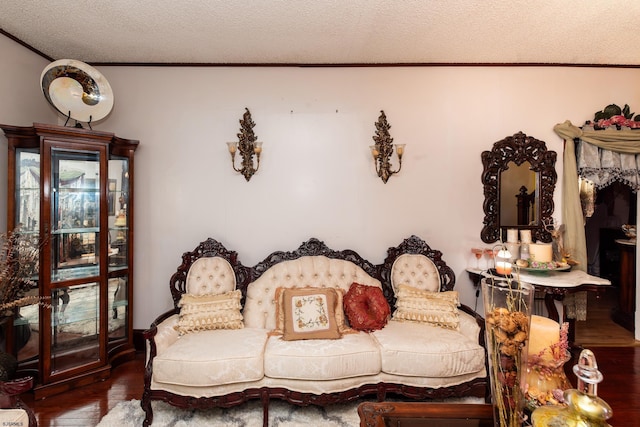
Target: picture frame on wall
<point>111,196</point>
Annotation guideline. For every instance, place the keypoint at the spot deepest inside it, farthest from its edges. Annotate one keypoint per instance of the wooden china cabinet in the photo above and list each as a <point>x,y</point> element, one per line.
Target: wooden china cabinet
<point>72,188</point>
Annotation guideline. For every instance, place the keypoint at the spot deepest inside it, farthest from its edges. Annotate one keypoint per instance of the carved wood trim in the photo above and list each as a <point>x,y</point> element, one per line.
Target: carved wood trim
<point>207,248</point>
<point>415,245</point>
<point>313,247</point>
<point>518,149</point>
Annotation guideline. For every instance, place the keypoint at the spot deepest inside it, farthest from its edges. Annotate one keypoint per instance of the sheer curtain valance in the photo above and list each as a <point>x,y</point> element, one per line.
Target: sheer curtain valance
<point>603,166</point>
<point>603,156</point>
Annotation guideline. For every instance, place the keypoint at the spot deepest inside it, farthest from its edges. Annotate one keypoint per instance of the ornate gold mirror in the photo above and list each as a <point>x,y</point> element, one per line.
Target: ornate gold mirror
<point>519,178</point>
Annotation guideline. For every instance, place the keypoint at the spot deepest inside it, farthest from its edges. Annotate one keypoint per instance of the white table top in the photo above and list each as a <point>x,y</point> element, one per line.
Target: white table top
<point>556,279</point>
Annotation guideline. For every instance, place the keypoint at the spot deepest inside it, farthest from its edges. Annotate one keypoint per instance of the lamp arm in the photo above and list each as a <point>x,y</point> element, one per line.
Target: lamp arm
<point>258,162</point>
<point>399,166</point>
<point>233,162</point>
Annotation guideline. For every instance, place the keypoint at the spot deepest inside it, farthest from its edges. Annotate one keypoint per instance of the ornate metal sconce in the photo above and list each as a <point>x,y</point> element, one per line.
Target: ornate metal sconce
<point>248,146</point>
<point>383,149</point>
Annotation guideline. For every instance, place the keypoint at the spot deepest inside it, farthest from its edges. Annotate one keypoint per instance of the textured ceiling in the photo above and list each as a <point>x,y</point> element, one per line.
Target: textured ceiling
<point>328,31</point>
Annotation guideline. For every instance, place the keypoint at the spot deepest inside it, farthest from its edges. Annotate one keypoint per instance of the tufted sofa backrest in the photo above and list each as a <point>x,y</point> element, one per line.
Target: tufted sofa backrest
<point>415,270</point>
<point>316,271</point>
<point>210,275</point>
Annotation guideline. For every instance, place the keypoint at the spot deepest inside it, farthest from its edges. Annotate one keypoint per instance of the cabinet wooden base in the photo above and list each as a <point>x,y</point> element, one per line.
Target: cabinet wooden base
<point>41,391</point>
<point>116,358</point>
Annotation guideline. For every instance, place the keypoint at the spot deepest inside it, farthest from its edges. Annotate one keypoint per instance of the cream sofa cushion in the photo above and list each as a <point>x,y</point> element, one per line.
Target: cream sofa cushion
<point>422,350</point>
<point>316,360</point>
<point>415,270</point>
<point>210,358</point>
<point>210,275</point>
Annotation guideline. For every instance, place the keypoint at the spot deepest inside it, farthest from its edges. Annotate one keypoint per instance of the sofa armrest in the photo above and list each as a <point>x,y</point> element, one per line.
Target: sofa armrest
<point>474,323</point>
<point>163,334</point>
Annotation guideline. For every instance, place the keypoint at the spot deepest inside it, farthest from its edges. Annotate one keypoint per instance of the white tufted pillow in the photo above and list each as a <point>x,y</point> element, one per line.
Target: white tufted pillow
<point>210,276</point>
<point>415,270</point>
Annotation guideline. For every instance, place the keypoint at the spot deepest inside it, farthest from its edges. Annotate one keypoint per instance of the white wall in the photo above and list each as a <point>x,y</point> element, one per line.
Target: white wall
<point>20,101</point>
<point>317,178</point>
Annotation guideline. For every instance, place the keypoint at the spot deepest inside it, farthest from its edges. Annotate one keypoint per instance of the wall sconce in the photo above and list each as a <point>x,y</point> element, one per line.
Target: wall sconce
<point>383,149</point>
<point>247,145</point>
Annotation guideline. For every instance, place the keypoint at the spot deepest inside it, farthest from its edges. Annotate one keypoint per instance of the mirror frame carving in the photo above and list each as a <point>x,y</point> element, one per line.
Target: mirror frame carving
<point>518,149</point>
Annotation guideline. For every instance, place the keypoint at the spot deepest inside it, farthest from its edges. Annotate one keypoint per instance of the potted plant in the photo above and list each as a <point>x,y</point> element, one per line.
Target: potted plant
<point>19,262</point>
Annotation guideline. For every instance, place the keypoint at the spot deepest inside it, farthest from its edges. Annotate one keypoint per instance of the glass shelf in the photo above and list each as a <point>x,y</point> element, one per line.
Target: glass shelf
<point>75,273</point>
<point>76,230</point>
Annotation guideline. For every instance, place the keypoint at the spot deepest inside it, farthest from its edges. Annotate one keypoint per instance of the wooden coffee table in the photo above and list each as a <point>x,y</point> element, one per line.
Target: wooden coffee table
<point>423,414</point>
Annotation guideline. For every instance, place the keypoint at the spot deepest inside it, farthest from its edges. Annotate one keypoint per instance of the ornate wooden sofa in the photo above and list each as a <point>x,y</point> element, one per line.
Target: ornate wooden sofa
<point>251,359</point>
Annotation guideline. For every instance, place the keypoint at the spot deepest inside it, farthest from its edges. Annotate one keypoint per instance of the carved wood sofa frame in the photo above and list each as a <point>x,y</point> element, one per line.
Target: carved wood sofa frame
<point>246,275</point>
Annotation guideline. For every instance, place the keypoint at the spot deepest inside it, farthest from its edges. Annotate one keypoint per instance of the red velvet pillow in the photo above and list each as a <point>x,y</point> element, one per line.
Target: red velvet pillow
<point>366,307</point>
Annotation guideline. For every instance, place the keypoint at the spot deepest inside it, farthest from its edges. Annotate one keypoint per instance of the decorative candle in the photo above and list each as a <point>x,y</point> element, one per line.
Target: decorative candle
<point>541,252</point>
<point>525,236</point>
<point>512,235</point>
<point>543,334</point>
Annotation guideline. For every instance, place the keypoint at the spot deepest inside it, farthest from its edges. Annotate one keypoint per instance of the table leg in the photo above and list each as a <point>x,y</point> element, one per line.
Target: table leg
<point>549,302</point>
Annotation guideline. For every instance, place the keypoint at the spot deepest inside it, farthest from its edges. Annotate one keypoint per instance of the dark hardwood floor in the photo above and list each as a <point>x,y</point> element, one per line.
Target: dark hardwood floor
<point>617,353</point>
<point>85,406</point>
<point>599,329</point>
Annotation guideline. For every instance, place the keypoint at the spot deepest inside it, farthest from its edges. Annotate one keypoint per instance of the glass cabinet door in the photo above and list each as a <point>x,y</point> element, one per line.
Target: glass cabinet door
<point>118,306</point>
<point>75,214</point>
<point>27,219</point>
<point>75,326</point>
<point>74,276</point>
<point>27,191</point>
<point>117,201</point>
<point>118,194</point>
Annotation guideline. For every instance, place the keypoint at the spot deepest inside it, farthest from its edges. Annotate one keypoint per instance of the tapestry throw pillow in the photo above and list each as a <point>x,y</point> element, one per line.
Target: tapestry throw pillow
<point>339,311</point>
<point>309,313</point>
<point>366,307</point>
<point>435,308</point>
<point>208,312</point>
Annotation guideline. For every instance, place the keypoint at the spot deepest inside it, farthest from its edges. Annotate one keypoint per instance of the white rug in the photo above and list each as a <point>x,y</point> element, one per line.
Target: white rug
<point>249,414</point>
<point>281,414</point>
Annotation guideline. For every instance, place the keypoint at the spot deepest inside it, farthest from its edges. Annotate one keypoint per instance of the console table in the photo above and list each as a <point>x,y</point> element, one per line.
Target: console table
<point>555,285</point>
<point>414,414</point>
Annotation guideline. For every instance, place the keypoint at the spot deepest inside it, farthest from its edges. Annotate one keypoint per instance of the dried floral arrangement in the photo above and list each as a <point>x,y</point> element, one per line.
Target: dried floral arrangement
<point>19,262</point>
<point>507,314</point>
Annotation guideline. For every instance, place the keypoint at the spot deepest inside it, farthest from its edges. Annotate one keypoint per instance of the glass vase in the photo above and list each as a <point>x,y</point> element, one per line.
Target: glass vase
<point>546,381</point>
<point>507,308</point>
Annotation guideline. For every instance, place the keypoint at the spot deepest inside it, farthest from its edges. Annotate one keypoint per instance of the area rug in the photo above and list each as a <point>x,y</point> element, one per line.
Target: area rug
<point>249,414</point>
<point>281,414</point>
